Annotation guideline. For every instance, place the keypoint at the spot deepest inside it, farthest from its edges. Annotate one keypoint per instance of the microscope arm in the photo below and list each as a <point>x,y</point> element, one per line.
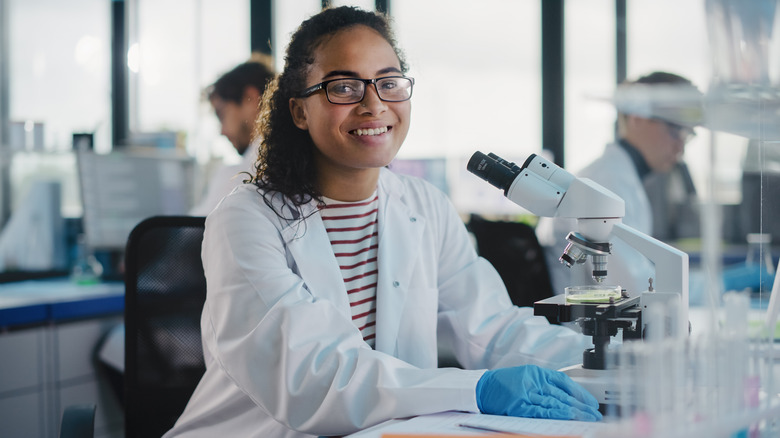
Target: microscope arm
<point>668,260</point>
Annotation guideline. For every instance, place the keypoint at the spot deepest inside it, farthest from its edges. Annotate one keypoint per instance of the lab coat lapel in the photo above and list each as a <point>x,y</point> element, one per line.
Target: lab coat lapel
<point>400,234</point>
<point>310,248</point>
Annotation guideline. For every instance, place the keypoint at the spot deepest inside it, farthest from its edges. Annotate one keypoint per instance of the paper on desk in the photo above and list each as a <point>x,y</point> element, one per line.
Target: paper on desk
<point>446,423</point>
<point>535,426</point>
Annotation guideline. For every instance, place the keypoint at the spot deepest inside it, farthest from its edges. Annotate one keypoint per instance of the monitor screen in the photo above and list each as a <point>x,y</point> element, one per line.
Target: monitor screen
<point>433,170</point>
<point>120,189</point>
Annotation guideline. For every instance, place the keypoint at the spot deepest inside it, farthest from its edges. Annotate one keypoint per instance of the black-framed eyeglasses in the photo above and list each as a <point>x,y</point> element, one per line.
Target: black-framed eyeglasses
<point>683,133</point>
<point>346,91</point>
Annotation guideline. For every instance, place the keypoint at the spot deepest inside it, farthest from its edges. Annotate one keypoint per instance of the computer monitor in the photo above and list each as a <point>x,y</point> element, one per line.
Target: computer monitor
<point>433,170</point>
<point>122,188</point>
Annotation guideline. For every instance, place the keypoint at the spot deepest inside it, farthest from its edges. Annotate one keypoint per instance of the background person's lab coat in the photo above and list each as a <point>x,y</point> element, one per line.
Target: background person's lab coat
<point>626,267</point>
<point>225,179</point>
<point>281,350</point>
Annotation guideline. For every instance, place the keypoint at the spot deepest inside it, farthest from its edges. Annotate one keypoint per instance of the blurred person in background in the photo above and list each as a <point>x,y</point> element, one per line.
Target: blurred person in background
<point>236,98</point>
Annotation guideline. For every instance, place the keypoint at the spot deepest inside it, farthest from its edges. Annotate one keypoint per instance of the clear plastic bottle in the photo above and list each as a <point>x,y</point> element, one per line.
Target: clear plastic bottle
<point>87,269</point>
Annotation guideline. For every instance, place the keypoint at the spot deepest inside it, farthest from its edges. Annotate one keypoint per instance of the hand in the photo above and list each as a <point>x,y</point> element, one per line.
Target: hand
<point>532,391</point>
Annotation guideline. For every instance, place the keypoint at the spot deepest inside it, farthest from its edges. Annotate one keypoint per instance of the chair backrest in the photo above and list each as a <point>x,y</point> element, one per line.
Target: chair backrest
<point>165,289</point>
<point>513,249</point>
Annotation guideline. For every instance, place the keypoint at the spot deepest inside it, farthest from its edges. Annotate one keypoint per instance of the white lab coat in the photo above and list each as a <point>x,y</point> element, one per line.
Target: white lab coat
<point>626,267</point>
<point>225,179</point>
<point>283,357</point>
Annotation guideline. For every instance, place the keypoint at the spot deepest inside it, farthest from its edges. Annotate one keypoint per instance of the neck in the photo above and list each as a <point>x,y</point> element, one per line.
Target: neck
<point>350,186</point>
<point>640,163</point>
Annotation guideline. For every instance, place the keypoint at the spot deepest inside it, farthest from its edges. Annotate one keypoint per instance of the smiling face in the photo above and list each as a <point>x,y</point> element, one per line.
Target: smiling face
<point>352,141</point>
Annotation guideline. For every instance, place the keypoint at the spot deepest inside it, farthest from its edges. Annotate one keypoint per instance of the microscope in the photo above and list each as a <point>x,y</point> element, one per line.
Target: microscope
<point>601,311</point>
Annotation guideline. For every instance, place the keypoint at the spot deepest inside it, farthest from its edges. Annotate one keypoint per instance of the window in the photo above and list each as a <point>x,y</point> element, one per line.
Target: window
<point>176,48</point>
<point>477,67</point>
<point>287,16</point>
<point>62,82</point>
<point>58,86</point>
<point>589,33</point>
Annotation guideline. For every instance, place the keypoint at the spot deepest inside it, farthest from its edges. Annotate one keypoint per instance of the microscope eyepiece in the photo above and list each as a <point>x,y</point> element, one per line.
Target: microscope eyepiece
<point>498,172</point>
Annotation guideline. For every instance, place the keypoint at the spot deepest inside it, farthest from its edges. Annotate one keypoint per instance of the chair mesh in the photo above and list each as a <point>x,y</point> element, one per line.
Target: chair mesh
<point>512,248</point>
<point>165,291</point>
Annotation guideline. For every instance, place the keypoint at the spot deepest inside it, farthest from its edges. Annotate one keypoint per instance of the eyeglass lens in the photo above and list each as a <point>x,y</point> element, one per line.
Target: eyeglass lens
<point>392,89</point>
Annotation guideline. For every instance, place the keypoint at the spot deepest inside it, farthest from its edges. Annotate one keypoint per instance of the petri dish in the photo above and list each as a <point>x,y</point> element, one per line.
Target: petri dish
<point>596,294</point>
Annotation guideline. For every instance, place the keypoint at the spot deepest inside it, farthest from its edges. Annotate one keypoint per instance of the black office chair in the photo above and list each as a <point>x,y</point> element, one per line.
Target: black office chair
<point>164,293</point>
<point>513,249</point>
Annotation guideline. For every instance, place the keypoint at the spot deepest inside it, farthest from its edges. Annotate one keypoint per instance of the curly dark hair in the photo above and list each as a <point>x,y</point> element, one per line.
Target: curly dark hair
<point>285,164</point>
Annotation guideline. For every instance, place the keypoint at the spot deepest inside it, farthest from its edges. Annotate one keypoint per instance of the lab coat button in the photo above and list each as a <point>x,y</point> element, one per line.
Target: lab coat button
<point>396,284</point>
<point>412,219</point>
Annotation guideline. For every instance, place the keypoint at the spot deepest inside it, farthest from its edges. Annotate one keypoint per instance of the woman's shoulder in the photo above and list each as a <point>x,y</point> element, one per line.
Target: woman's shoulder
<point>245,200</point>
<point>408,186</point>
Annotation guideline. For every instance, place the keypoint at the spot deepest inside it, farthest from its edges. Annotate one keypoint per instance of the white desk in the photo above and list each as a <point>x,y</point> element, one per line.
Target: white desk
<point>448,423</point>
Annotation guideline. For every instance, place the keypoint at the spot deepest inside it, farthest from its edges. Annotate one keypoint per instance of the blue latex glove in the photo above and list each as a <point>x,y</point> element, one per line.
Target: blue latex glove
<point>532,391</point>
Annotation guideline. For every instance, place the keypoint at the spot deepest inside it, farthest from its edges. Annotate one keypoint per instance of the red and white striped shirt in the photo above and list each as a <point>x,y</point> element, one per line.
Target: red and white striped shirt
<point>353,233</point>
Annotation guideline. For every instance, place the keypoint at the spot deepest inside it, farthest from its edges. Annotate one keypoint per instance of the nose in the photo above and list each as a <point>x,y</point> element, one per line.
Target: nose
<point>371,102</point>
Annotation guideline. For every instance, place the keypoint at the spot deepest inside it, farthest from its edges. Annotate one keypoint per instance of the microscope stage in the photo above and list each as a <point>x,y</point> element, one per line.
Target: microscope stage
<point>557,310</point>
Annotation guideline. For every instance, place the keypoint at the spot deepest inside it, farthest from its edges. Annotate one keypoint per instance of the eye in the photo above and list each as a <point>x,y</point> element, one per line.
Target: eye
<point>389,84</point>
<point>344,88</point>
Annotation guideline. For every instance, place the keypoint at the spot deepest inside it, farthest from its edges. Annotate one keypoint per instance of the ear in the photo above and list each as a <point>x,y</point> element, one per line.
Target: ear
<point>298,114</point>
<point>251,94</point>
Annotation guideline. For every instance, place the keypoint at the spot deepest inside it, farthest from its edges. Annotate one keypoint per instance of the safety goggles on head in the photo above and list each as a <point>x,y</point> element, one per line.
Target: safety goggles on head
<point>346,91</point>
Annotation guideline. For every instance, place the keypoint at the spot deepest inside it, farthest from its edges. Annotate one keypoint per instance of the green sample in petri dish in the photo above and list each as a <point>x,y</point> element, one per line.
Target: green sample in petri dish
<point>592,294</point>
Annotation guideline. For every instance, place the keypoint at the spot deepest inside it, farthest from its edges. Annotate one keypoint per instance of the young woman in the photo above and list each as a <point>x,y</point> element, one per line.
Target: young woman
<point>329,276</point>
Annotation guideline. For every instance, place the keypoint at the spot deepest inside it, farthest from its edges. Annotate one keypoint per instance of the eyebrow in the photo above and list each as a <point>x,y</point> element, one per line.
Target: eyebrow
<point>354,74</point>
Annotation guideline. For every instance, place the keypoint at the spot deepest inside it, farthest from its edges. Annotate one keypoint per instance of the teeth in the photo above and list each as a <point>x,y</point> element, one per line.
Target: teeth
<point>375,131</point>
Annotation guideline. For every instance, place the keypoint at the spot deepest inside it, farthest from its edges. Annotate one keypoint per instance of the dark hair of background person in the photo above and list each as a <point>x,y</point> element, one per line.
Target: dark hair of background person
<point>662,77</point>
<point>285,165</point>
<point>231,85</point>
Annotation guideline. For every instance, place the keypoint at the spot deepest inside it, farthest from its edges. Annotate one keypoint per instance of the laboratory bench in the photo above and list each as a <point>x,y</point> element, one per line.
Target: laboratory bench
<point>50,330</point>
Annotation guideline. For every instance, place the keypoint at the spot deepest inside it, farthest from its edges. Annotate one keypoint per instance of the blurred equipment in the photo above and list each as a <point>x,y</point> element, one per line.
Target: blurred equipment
<point>34,237</point>
<point>743,97</point>
<point>165,291</point>
<point>547,190</point>
<point>675,103</point>
<point>760,188</point>
<point>124,187</point>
